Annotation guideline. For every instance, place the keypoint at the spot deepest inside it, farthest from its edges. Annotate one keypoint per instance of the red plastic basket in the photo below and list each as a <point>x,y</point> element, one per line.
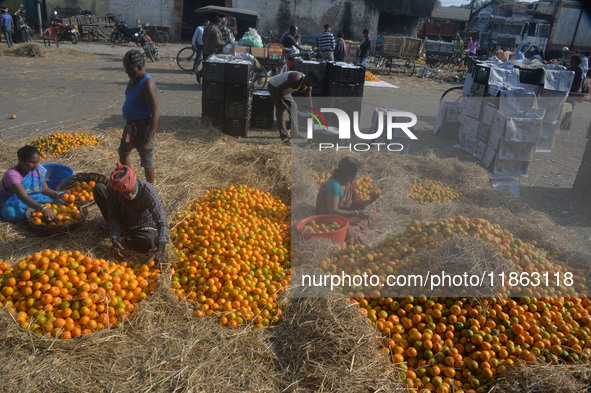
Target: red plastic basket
<point>337,236</point>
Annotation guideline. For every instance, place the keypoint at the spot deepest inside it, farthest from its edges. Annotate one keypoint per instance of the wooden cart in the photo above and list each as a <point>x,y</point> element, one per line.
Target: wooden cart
<point>400,52</point>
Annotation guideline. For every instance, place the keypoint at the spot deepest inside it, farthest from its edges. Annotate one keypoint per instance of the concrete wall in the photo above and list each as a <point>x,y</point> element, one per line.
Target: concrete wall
<point>311,15</point>
<point>155,12</point>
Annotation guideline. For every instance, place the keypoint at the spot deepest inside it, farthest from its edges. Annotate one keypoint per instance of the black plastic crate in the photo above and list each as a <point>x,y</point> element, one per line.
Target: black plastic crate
<point>337,73</point>
<point>239,91</point>
<point>262,120</point>
<point>531,76</point>
<point>337,89</point>
<point>239,73</point>
<point>213,110</point>
<point>238,109</point>
<point>262,103</point>
<point>213,72</point>
<point>236,127</point>
<point>213,90</point>
<point>481,74</point>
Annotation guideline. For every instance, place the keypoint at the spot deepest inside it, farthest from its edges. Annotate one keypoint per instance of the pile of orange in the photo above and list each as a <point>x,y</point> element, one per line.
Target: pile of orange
<point>330,226</point>
<point>363,184</point>
<point>80,192</point>
<point>369,77</point>
<point>59,143</point>
<point>426,191</point>
<point>66,294</point>
<point>233,247</point>
<point>66,214</point>
<point>461,343</point>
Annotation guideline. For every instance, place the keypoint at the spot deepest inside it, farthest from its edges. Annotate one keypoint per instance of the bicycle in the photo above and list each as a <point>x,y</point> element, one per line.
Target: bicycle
<point>380,62</point>
<point>185,58</point>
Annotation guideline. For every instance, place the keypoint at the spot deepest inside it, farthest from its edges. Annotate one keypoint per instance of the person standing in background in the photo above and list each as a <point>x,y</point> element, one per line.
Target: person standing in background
<point>198,45</point>
<point>585,64</point>
<point>473,45</point>
<point>521,49</point>
<point>212,41</point>
<point>6,26</point>
<point>364,48</point>
<point>340,50</point>
<point>326,44</point>
<point>227,35</point>
<point>140,112</point>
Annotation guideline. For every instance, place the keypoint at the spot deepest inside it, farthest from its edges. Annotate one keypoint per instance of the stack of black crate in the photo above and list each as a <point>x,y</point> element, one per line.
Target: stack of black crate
<point>319,89</point>
<point>238,90</point>
<point>344,83</point>
<point>263,110</point>
<point>213,92</point>
<point>227,95</point>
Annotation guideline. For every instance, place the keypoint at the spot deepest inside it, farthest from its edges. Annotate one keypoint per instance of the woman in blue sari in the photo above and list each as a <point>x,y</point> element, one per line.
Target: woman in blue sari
<point>24,186</point>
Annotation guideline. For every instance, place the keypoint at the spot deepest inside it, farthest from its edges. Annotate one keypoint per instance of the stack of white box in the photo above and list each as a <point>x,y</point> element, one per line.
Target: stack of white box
<point>505,127</point>
<point>553,94</point>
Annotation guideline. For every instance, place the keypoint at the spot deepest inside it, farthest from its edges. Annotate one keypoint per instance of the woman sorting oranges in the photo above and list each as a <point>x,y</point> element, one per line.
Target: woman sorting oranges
<point>338,196</point>
<point>25,186</point>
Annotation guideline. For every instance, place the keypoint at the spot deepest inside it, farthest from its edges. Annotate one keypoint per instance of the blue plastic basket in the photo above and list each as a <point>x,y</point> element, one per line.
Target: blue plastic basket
<point>56,173</point>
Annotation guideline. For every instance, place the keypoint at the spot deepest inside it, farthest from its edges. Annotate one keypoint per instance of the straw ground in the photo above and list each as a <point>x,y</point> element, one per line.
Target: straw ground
<point>321,344</point>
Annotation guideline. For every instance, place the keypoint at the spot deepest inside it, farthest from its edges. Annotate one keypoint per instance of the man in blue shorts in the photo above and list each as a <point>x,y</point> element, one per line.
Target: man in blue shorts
<point>140,111</point>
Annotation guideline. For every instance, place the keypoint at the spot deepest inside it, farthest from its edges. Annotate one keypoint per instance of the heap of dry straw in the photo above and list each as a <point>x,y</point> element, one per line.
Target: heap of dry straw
<point>321,343</point>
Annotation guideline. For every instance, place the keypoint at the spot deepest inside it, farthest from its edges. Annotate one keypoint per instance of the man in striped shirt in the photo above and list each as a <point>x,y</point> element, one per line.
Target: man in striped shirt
<point>326,44</point>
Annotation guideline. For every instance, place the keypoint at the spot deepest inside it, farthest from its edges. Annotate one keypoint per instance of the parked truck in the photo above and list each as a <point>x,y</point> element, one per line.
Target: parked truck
<point>550,26</point>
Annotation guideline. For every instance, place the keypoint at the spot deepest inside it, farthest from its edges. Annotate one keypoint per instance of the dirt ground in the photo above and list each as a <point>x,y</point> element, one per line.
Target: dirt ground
<point>84,87</point>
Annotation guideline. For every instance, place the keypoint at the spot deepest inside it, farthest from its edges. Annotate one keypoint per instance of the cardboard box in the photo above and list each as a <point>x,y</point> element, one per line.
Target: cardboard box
<point>488,114</point>
<point>473,107</point>
<point>525,128</point>
<point>240,49</point>
<point>477,90</point>
<point>558,80</point>
<point>479,149</point>
<point>545,145</point>
<point>494,139</point>
<point>259,52</point>
<point>519,151</point>
<point>515,101</point>
<point>446,123</point>
<point>511,167</point>
<point>489,155</point>
<point>274,51</point>
<point>467,143</point>
<point>483,131</point>
<point>552,97</point>
<point>470,127</point>
<point>549,130</point>
<point>552,114</point>
<point>505,77</point>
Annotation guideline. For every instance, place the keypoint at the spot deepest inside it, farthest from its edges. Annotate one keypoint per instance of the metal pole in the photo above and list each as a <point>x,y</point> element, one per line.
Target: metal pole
<point>471,10</point>
<point>40,19</point>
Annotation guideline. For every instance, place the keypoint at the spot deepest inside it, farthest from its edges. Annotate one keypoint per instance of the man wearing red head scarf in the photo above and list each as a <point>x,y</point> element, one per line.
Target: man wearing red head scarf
<point>134,212</point>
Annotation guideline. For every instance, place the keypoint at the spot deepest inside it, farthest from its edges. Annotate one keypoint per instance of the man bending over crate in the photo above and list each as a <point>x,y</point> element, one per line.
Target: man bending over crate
<point>280,89</point>
<point>134,212</point>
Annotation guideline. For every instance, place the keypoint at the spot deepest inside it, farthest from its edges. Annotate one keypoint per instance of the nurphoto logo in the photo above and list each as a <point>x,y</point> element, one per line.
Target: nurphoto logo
<point>344,129</point>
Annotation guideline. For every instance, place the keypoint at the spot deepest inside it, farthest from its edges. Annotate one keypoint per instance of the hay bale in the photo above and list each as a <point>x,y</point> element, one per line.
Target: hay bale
<point>544,378</point>
<point>25,50</point>
<point>324,344</point>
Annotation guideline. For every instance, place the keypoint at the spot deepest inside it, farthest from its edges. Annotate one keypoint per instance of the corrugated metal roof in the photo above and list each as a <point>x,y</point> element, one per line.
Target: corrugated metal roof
<point>451,13</point>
